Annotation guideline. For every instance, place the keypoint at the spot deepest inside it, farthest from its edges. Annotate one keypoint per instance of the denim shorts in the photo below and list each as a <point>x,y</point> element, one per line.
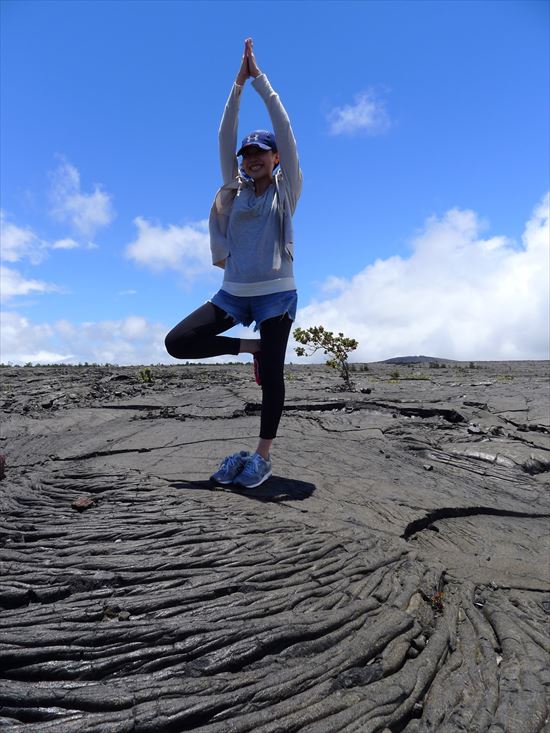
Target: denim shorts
<point>247,308</point>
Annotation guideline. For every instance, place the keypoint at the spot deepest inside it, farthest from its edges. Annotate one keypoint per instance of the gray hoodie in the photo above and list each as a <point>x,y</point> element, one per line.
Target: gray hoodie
<point>287,179</point>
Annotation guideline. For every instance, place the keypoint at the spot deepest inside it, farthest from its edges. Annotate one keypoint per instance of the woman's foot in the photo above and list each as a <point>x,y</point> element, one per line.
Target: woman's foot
<point>249,346</point>
<point>256,471</point>
<point>230,467</point>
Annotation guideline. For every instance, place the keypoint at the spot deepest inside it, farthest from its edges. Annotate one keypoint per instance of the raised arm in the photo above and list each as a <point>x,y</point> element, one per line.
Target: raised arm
<point>286,142</point>
<point>227,134</point>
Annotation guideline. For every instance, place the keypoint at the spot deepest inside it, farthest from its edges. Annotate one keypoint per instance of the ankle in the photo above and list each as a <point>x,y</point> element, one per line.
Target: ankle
<point>264,447</point>
<point>249,346</point>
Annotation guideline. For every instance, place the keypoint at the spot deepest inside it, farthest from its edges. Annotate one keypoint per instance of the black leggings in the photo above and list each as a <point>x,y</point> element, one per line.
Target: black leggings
<point>196,337</point>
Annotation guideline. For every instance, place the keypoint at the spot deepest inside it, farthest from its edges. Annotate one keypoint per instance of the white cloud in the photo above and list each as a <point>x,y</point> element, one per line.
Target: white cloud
<point>13,284</point>
<point>127,292</point>
<point>367,114</point>
<point>132,340</point>
<point>458,295</point>
<point>20,242</point>
<point>185,249</point>
<point>87,212</point>
<point>65,244</point>
<point>333,284</point>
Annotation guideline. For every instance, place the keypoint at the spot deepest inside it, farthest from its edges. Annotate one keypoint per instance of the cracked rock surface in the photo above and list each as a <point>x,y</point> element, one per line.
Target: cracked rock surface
<point>392,576</point>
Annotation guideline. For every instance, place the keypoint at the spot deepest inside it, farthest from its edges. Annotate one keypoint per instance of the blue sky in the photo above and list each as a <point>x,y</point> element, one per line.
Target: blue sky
<point>422,130</point>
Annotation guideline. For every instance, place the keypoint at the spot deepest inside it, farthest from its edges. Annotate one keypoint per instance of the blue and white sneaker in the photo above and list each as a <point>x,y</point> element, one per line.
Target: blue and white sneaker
<point>256,471</point>
<point>230,467</point>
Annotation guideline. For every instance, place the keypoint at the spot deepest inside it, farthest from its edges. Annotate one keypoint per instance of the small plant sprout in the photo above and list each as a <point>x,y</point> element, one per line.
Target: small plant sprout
<point>336,347</point>
<point>436,601</point>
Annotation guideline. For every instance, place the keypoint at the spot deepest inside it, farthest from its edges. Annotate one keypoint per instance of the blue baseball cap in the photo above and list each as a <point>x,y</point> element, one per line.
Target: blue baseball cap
<point>260,138</point>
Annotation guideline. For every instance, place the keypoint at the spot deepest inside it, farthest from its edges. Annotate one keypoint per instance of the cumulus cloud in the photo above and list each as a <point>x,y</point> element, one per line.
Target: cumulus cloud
<point>185,249</point>
<point>131,340</point>
<point>12,284</point>
<point>20,242</point>
<point>458,295</point>
<point>367,114</point>
<point>87,212</point>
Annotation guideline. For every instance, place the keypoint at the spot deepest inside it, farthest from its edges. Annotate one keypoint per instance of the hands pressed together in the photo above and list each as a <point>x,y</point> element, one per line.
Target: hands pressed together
<point>249,67</point>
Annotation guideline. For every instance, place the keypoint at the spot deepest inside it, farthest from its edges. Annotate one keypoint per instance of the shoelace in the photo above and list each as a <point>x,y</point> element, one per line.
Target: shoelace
<point>252,465</point>
<point>230,462</point>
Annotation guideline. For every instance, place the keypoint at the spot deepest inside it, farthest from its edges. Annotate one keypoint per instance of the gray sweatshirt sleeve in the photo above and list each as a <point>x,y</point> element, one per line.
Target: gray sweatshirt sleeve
<point>227,135</point>
<point>286,143</point>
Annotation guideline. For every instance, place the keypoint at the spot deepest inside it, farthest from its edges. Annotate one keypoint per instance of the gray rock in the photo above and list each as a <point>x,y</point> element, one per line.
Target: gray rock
<point>349,592</point>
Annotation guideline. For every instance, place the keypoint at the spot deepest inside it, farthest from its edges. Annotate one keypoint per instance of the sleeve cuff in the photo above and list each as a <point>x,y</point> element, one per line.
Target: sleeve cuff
<point>262,86</point>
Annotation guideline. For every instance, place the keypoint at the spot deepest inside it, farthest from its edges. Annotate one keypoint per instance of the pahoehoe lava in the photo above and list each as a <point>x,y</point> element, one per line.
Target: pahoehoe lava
<point>320,602</point>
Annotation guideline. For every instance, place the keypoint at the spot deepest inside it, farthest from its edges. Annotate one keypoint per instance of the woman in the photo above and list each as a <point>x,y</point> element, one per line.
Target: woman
<point>251,239</point>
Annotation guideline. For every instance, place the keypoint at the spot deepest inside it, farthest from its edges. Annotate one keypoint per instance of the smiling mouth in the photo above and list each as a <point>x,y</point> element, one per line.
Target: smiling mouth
<point>256,166</point>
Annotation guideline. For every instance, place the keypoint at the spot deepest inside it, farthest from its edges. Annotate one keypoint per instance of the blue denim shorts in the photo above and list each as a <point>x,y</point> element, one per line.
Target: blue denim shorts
<point>247,308</point>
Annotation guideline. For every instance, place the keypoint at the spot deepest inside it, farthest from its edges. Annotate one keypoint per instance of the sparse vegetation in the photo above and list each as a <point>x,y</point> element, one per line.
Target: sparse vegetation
<point>145,375</point>
<point>394,375</point>
<point>436,601</point>
<point>337,347</point>
<point>416,377</point>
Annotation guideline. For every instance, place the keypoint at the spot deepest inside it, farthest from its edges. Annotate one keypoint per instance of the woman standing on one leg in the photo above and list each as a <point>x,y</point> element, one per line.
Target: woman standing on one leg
<point>251,239</point>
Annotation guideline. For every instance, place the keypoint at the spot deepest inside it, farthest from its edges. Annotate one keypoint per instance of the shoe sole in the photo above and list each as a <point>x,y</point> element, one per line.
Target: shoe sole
<point>253,486</point>
<point>223,483</point>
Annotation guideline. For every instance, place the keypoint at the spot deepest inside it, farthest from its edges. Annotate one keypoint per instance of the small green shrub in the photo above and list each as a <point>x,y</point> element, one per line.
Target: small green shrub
<point>145,375</point>
<point>337,347</point>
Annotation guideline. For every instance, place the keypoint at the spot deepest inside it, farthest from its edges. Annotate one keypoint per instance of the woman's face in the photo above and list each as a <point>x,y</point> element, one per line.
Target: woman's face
<point>258,163</point>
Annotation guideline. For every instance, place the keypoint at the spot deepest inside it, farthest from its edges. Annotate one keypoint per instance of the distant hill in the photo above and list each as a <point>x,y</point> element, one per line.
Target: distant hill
<point>417,360</point>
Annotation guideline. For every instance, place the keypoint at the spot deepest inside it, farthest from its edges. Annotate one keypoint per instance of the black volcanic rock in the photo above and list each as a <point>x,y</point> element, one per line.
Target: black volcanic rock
<point>393,575</point>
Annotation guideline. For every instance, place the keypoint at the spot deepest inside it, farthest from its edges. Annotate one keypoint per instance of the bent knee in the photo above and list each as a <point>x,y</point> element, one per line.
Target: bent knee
<point>169,344</point>
<point>179,346</point>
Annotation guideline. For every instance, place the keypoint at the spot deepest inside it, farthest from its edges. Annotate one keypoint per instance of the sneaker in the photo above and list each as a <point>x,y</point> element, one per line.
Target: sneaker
<point>257,357</point>
<point>230,467</point>
<point>256,471</point>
